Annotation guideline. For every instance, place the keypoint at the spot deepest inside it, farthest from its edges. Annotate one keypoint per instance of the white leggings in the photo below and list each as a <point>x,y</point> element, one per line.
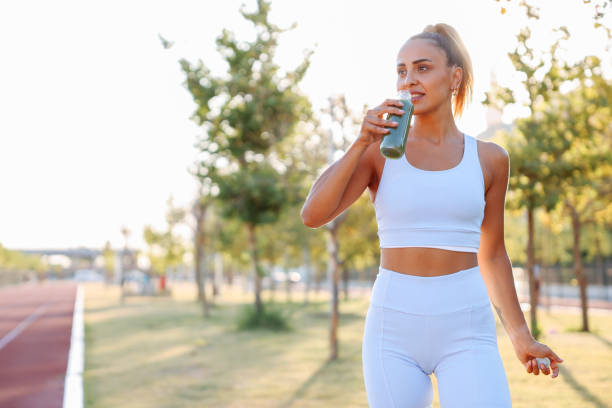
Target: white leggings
<point>416,326</point>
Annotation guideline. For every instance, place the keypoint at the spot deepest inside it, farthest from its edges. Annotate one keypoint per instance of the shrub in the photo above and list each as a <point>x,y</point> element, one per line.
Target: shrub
<point>271,318</point>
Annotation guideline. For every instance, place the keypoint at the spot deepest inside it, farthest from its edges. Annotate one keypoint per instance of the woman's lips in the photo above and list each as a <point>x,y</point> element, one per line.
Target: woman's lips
<point>416,97</point>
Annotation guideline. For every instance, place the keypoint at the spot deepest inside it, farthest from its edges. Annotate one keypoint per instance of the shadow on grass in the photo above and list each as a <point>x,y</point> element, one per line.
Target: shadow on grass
<point>594,332</point>
<point>300,392</point>
<point>574,329</point>
<point>569,378</point>
<point>174,340</point>
<point>158,318</point>
<point>343,317</point>
<point>603,340</point>
<point>309,315</point>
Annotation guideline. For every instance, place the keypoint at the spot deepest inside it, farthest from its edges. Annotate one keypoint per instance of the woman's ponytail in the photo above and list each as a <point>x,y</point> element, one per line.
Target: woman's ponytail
<point>447,38</point>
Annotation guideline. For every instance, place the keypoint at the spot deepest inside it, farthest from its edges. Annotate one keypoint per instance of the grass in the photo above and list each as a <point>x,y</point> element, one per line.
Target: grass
<point>161,352</point>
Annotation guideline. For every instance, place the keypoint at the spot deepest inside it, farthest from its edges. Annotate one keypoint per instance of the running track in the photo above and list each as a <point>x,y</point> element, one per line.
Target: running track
<point>35,329</point>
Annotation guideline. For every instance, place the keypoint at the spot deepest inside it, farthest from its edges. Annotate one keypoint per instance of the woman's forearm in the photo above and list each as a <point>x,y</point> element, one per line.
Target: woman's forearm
<point>497,275</point>
<point>326,192</point>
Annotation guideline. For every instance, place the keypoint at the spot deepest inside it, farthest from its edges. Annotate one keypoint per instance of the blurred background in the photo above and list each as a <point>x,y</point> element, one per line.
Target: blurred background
<point>157,157</point>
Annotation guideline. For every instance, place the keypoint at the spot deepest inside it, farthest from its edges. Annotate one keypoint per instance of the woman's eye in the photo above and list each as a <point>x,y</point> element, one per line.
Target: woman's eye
<point>401,72</point>
<point>422,66</point>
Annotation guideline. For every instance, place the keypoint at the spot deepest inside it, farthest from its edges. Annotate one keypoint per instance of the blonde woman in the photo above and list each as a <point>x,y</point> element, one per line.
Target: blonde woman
<point>440,215</point>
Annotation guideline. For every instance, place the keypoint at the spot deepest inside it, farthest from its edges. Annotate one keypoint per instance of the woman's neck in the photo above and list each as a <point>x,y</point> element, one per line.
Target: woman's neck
<point>437,127</point>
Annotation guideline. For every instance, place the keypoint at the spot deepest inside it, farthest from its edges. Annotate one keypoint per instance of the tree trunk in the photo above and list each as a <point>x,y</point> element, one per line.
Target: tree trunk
<point>203,300</point>
<point>229,275</point>
<point>578,270</point>
<point>218,271</point>
<point>333,278</point>
<point>210,267</point>
<point>533,295</point>
<point>200,256</point>
<point>599,265</point>
<point>216,279</point>
<point>345,282</point>
<point>287,280</point>
<point>307,272</point>
<point>255,266</point>
<point>272,285</point>
<point>318,277</point>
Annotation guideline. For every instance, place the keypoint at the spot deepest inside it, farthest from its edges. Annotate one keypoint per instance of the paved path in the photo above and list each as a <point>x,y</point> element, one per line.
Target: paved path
<point>35,329</point>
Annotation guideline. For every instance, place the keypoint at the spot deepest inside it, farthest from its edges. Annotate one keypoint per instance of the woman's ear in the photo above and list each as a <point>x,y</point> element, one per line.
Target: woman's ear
<point>457,76</point>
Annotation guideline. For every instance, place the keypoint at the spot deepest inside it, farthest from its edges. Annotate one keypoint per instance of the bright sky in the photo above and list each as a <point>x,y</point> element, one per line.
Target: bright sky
<point>94,120</point>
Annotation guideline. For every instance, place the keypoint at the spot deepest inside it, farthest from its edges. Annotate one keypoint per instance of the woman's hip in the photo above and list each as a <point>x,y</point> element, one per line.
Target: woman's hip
<point>432,295</point>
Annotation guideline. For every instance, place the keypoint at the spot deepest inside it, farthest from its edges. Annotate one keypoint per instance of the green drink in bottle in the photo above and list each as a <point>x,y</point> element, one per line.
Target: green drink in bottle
<point>394,142</point>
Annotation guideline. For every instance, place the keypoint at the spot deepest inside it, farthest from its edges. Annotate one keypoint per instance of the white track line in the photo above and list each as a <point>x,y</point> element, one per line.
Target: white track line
<point>21,326</point>
<point>73,384</point>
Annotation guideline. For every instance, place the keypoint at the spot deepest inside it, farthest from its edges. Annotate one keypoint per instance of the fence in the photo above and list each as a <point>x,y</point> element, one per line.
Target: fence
<point>560,281</point>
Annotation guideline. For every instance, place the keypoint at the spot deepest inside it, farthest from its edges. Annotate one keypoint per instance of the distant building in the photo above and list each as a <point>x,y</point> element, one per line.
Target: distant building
<point>72,259</point>
<point>494,121</point>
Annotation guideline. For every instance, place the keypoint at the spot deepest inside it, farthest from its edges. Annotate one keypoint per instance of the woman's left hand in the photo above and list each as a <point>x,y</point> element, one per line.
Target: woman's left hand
<point>527,352</point>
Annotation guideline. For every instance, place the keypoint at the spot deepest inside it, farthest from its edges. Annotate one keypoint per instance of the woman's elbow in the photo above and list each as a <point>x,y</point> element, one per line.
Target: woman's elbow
<point>308,219</point>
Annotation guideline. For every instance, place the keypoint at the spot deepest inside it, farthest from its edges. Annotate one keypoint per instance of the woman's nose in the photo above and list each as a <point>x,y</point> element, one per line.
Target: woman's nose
<point>406,81</point>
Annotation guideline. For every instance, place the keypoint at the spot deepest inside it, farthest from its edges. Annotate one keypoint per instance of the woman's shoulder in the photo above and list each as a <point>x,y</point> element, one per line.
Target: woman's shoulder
<point>494,160</point>
<point>490,150</point>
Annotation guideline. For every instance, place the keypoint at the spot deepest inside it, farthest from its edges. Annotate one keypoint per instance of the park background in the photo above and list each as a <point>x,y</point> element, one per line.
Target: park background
<point>173,188</point>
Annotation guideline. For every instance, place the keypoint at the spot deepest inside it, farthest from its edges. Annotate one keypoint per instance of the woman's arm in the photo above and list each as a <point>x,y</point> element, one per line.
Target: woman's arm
<point>493,259</point>
<point>342,183</point>
<point>338,186</point>
<point>496,269</point>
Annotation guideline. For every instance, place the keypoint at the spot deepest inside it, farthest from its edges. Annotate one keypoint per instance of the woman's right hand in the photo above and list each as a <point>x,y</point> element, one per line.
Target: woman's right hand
<point>374,127</point>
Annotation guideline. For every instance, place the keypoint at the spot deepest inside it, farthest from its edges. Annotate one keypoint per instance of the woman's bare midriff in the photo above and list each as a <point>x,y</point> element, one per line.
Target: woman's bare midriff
<point>426,261</point>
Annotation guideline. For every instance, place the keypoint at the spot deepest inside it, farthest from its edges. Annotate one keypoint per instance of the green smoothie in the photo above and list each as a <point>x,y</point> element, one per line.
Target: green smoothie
<point>394,142</point>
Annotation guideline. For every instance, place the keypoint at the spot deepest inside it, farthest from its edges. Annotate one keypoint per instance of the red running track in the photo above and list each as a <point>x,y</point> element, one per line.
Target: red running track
<point>35,329</point>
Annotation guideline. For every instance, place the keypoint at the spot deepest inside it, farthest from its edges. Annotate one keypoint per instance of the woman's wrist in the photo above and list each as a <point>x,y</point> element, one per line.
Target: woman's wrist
<point>520,335</point>
<point>362,142</point>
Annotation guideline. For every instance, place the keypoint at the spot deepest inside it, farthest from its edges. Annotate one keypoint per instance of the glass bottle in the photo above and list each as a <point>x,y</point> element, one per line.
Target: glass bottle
<point>394,142</point>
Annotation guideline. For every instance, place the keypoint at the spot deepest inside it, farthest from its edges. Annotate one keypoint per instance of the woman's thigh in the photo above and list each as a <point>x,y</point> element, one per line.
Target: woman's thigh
<point>469,369</point>
<point>392,375</point>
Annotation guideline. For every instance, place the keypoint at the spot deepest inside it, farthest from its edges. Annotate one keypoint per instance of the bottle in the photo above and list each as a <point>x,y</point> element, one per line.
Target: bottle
<point>394,142</point>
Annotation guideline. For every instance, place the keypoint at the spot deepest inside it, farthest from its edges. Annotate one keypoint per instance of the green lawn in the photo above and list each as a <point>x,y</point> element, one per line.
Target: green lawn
<point>160,352</point>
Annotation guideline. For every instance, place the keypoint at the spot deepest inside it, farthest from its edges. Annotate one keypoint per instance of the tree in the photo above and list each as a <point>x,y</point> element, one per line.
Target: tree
<point>303,155</point>
<point>257,108</point>
<point>540,142</point>
<point>584,117</point>
<point>203,88</point>
<point>199,210</point>
<point>342,120</point>
<point>359,237</point>
<point>532,149</point>
<point>166,249</point>
<point>342,123</point>
<point>109,262</point>
<point>16,267</point>
<point>599,8</point>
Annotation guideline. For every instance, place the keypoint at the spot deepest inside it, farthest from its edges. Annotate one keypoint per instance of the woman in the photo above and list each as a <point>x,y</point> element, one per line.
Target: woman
<point>440,214</point>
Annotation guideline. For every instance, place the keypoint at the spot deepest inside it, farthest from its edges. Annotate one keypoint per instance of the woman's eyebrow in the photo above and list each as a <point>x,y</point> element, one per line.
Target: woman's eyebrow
<point>401,64</point>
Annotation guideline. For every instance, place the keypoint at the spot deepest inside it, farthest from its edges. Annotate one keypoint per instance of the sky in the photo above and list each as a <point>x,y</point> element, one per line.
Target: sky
<point>95,128</point>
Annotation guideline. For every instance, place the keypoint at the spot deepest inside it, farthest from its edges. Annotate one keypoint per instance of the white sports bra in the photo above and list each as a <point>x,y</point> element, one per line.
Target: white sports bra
<point>431,208</point>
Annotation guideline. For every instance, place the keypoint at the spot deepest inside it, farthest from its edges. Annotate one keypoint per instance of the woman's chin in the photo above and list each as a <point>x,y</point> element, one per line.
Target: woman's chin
<point>421,110</point>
